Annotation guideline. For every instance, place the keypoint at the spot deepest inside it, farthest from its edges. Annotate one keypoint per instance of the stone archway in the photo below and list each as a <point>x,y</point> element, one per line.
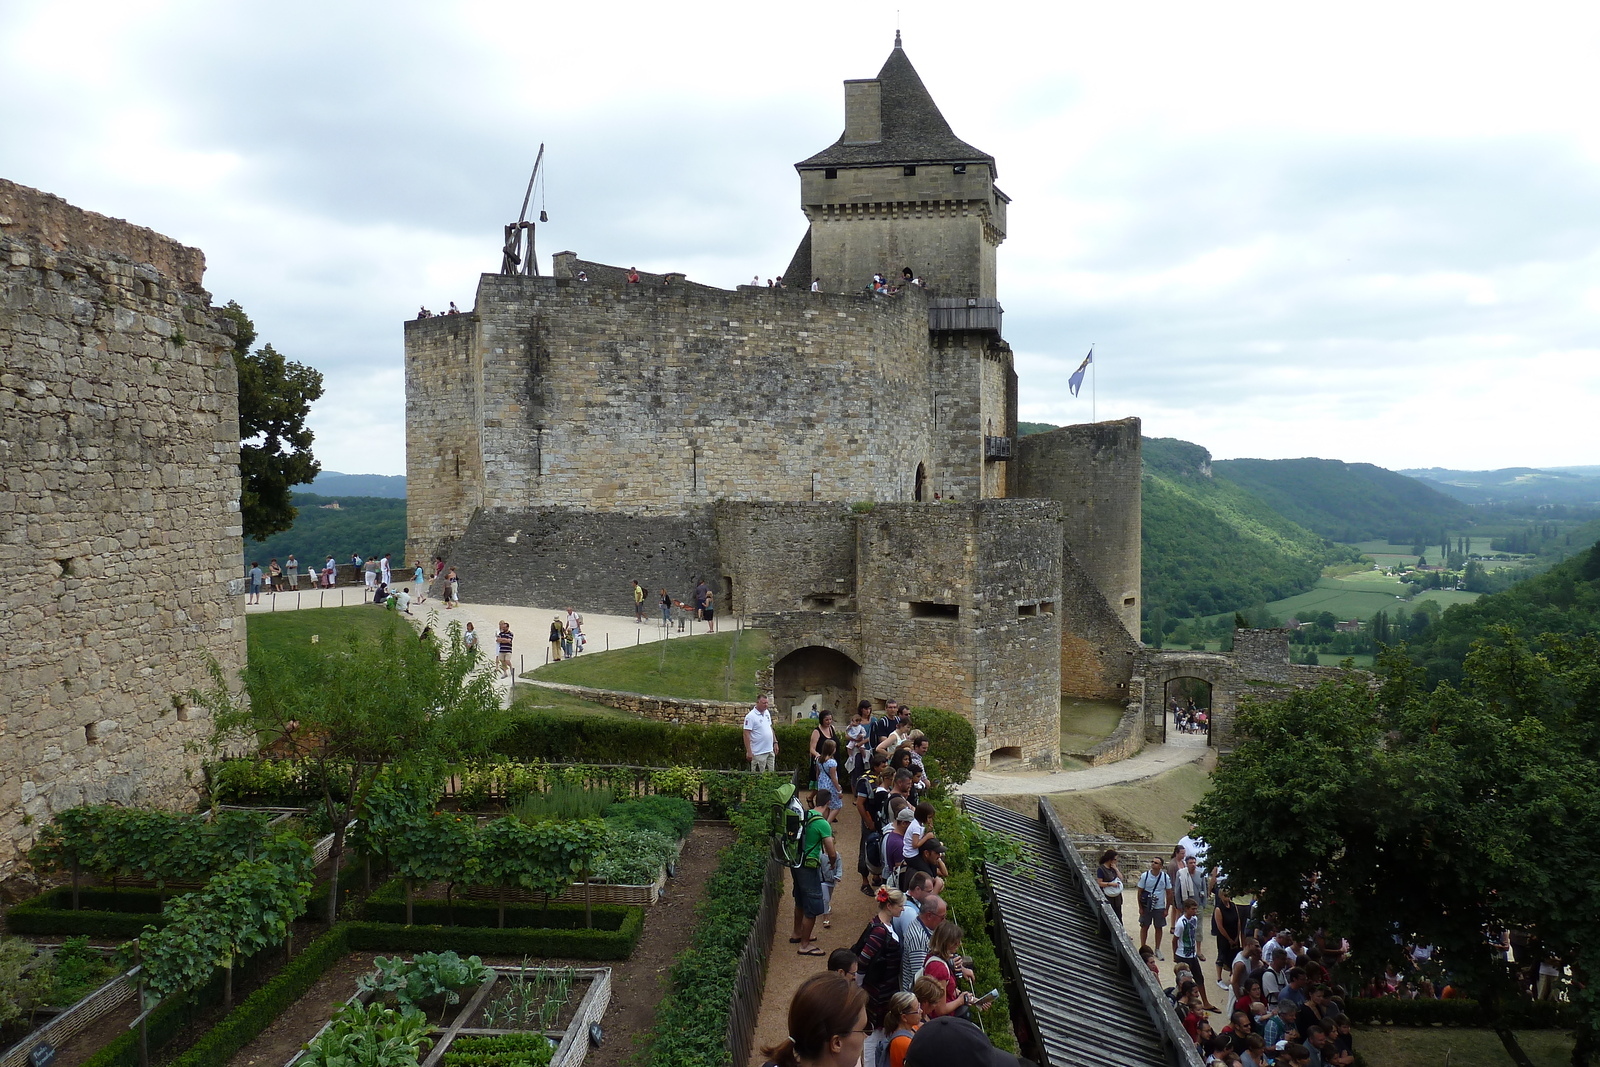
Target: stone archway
<point>1215,671</point>
<point>814,678</point>
<point>1186,703</point>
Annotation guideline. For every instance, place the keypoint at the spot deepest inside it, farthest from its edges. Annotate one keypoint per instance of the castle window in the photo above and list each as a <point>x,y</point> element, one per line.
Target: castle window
<point>830,173</point>
<point>959,168</point>
<point>1047,607</point>
<point>1025,611</point>
<point>1127,602</point>
<point>928,609</point>
<point>909,172</point>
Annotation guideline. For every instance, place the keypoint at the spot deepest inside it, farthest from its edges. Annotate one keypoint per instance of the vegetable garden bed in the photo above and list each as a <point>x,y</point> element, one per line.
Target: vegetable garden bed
<point>56,1024</point>
<point>498,1016</point>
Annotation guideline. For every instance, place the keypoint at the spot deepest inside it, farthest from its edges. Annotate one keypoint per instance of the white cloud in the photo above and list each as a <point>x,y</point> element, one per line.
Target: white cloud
<point>1368,232</point>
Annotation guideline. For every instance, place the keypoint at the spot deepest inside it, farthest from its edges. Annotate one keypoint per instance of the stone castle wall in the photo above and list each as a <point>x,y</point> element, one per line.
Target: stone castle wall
<point>1094,472</point>
<point>444,463</point>
<point>119,515</point>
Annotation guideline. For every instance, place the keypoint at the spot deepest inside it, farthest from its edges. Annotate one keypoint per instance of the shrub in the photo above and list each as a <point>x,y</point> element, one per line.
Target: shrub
<point>967,907</point>
<point>576,737</point>
<point>486,940</point>
<point>692,1020</point>
<point>952,743</point>
<point>633,857</point>
<point>503,1050</point>
<point>671,816</point>
<point>102,914</point>
<point>562,801</point>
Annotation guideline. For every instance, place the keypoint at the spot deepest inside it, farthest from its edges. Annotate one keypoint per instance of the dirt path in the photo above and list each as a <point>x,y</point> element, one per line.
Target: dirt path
<point>852,910</point>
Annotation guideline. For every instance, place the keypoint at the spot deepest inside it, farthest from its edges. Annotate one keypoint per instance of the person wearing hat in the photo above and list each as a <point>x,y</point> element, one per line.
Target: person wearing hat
<point>952,1042</point>
<point>930,861</point>
<point>894,839</point>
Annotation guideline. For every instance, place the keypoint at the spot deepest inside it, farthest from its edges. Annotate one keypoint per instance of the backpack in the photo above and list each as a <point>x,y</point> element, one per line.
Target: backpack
<point>793,818</point>
<point>883,1049</point>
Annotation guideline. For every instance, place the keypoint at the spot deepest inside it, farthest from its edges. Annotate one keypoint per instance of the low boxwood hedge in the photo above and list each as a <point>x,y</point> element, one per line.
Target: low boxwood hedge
<point>102,913</point>
<point>691,1024</point>
<point>578,943</point>
<point>573,737</point>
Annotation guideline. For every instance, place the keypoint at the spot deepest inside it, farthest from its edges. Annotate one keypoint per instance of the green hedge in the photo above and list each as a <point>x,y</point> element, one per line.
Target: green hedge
<point>103,914</point>
<point>691,1026</point>
<point>573,737</point>
<point>597,944</point>
<point>241,1026</point>
<point>952,742</point>
<point>967,907</point>
<point>1514,1014</point>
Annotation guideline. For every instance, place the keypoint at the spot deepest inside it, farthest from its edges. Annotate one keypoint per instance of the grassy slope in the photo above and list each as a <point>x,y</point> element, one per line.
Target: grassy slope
<point>289,633</point>
<point>694,667</point>
<point>1347,501</point>
<point>1151,810</point>
<point>1210,546</point>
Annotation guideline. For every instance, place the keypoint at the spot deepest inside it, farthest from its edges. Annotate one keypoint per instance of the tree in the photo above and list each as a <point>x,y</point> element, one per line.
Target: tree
<point>275,395</point>
<point>360,709</point>
<point>1399,811</point>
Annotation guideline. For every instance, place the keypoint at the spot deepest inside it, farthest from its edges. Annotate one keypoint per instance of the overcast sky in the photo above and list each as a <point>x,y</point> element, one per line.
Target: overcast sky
<point>1361,231</point>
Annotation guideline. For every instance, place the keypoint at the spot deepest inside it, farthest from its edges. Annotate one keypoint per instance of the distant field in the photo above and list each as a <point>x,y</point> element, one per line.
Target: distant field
<point>1386,554</point>
<point>1359,597</point>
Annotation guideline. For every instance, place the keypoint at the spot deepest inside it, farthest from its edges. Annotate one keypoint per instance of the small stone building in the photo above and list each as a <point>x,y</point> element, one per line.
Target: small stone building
<point>119,512</point>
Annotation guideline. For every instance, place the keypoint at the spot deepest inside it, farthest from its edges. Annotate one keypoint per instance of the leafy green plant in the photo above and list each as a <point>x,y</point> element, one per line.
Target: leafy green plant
<point>633,857</point>
<point>74,971</point>
<point>371,1035</point>
<point>564,801</point>
<point>502,1050</point>
<point>678,782</point>
<point>20,988</point>
<point>429,975</point>
<point>668,815</point>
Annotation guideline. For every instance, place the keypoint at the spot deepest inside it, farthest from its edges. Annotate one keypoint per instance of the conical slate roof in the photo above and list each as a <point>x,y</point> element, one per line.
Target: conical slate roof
<point>913,129</point>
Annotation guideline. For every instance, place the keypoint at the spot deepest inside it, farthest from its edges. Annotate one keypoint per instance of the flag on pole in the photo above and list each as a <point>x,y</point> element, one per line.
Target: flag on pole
<point>1076,381</point>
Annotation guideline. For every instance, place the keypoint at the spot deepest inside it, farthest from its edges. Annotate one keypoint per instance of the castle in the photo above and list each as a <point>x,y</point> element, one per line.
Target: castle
<point>842,467</point>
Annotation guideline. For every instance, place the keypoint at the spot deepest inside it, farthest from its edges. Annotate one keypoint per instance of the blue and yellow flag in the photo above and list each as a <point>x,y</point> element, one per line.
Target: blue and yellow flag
<point>1076,381</point>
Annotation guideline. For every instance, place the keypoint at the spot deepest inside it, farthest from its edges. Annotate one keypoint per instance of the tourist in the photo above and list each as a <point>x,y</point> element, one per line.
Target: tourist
<point>921,826</point>
<point>1295,991</point>
<point>708,613</point>
<point>1154,885</point>
<point>916,887</point>
<point>638,602</point>
<point>469,641</point>
<point>929,860</point>
<point>901,729</point>
<point>403,600</point>
<point>943,964</point>
<point>845,962</point>
<point>1227,926</point>
<point>817,855</point>
<point>914,950</point>
<point>569,631</point>
<point>1186,948</point>
<point>881,955</point>
<point>827,1025</point>
<point>871,800</point>
<point>1191,884</point>
<point>900,1022</point>
<point>881,726</point>
<point>583,275</point>
<point>701,592</point>
<point>369,575</point>
<point>385,570</point>
<point>816,285</point>
<point>666,610</point>
<point>828,788</point>
<point>380,595</point>
<point>1148,954</point>
<point>556,633</point>
<point>1254,1053</point>
<point>1109,875</point>
<point>952,1042</point>
<point>760,740</point>
<point>633,276</point>
<point>438,567</point>
<point>329,572</point>
<point>894,839</point>
<point>255,584</point>
<point>453,594</point>
<point>419,584</point>
<point>274,576</point>
<point>291,567</point>
<point>453,309</point>
<point>502,641</point>
<point>823,731</point>
<point>1174,865</point>
<point>856,738</point>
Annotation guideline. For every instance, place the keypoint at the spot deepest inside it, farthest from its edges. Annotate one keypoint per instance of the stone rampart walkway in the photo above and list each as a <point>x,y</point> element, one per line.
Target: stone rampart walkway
<point>1178,750</point>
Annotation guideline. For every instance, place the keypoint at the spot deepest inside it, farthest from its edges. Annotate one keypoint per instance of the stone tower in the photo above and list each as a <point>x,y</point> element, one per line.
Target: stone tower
<point>899,189</point>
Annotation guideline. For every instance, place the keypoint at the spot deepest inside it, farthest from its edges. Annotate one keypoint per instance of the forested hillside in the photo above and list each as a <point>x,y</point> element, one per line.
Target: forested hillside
<point>1210,546</point>
<point>1349,501</point>
<point>369,525</point>
<point>1563,600</point>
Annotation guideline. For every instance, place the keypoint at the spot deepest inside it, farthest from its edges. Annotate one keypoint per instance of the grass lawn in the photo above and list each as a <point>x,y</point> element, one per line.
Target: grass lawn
<point>289,633</point>
<point>1086,723</point>
<point>1546,1048</point>
<point>535,698</point>
<point>692,668</point>
<point>1359,596</point>
<point>1426,1046</point>
<point>1149,810</point>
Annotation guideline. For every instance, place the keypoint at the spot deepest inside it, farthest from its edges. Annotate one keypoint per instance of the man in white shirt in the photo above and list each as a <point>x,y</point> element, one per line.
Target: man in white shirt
<point>760,742</point>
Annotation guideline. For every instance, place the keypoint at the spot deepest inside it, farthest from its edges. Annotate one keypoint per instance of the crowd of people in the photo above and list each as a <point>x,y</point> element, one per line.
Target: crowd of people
<point>907,958</point>
<point>376,575</point>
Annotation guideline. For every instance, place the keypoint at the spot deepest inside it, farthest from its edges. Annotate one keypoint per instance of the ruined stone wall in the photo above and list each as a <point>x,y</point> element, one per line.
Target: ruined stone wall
<point>119,512</point>
<point>444,465</point>
<point>668,397</point>
<point>1017,678</point>
<point>1097,652</point>
<point>787,557</point>
<point>1093,471</point>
